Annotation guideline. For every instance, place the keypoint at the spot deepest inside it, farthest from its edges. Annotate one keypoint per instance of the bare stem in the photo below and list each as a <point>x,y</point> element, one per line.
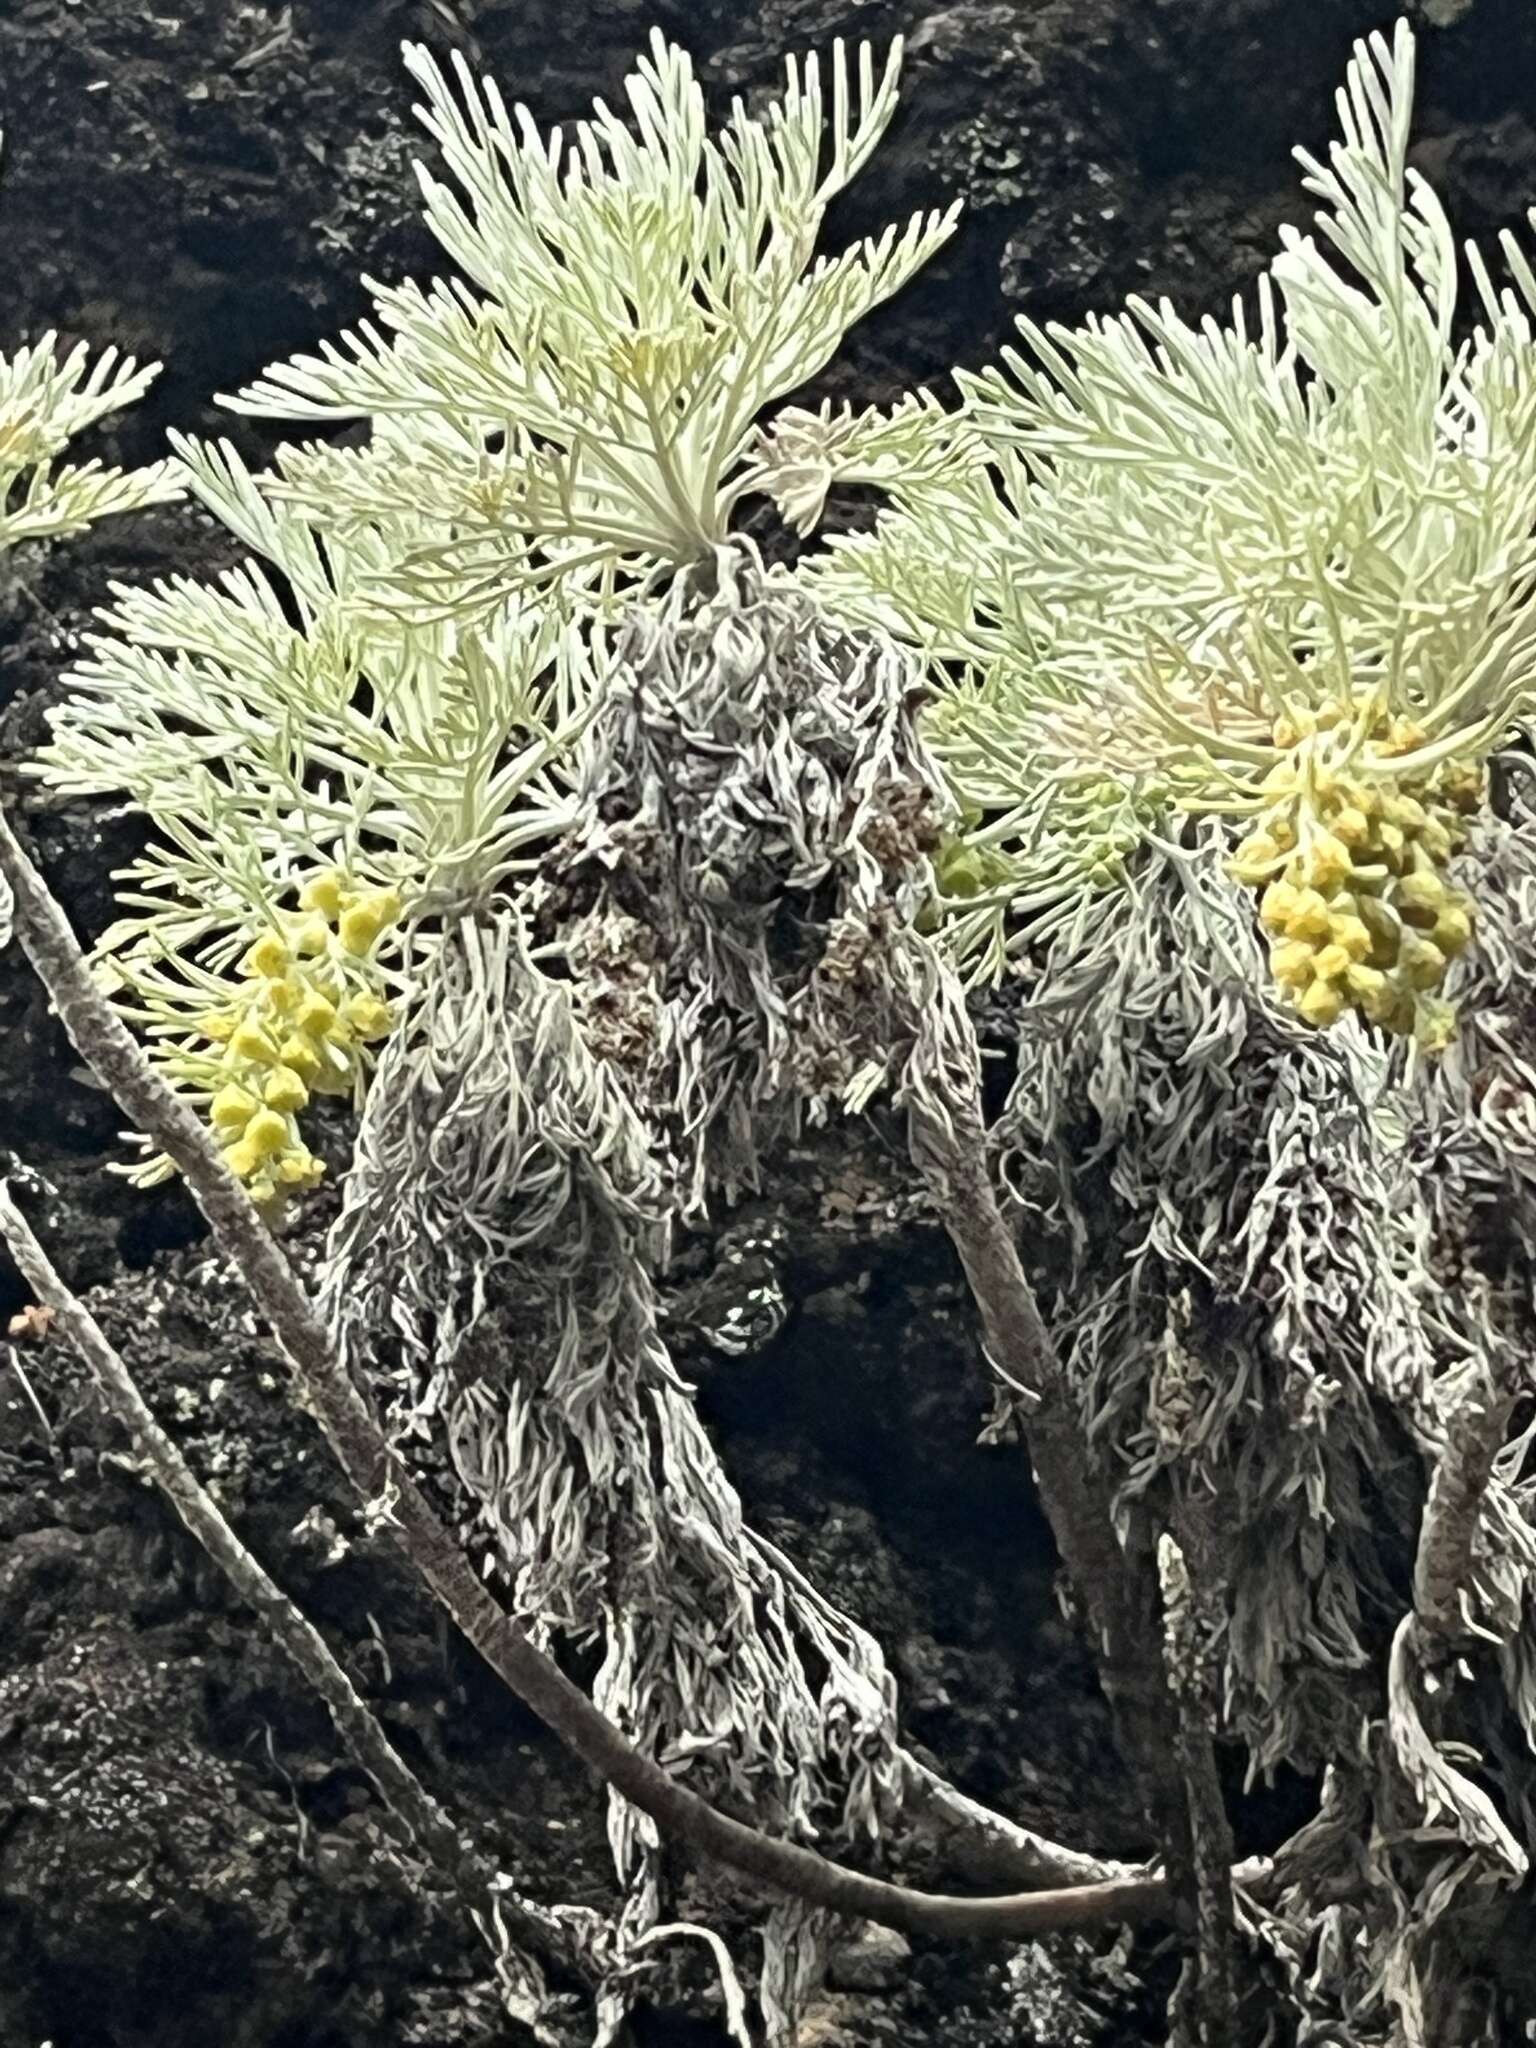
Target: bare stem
<point>1116,1583</point>
<point>406,1800</point>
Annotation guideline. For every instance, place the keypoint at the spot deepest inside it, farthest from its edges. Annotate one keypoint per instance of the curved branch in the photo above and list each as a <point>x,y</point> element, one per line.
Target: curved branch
<point>781,1867</point>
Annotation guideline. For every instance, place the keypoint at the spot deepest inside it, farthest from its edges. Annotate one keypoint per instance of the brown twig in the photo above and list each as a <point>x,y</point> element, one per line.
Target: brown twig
<point>1116,1583</point>
<point>405,1799</point>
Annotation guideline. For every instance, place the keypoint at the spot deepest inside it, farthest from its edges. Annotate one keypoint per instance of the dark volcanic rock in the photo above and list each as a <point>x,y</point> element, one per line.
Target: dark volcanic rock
<point>183,1853</point>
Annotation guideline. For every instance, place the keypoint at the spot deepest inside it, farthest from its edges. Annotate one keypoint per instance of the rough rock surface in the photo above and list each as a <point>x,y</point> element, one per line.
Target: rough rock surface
<point>183,1853</point>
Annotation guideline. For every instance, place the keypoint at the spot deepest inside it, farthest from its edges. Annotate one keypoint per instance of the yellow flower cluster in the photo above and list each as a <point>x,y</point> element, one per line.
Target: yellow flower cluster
<point>1350,858</point>
<point>312,1003</point>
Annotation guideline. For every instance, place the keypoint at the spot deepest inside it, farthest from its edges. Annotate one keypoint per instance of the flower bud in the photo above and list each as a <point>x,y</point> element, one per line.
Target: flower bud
<point>1404,811</point>
<point>1421,964</point>
<point>1403,737</point>
<point>300,1169</point>
<point>370,1017</point>
<point>267,1133</point>
<point>267,956</point>
<point>1277,905</point>
<point>361,922</point>
<point>322,892</point>
<point>316,1015</point>
<point>1452,930</point>
<point>300,1057</point>
<point>1326,860</point>
<point>1369,988</point>
<point>1351,826</point>
<point>1352,934</point>
<point>285,1090</point>
<point>1292,964</point>
<point>1322,1004</point>
<point>1419,898</point>
<point>1293,726</point>
<point>242,1158</point>
<point>250,1042</point>
<point>335,1073</point>
<point>231,1109</point>
<point>1309,919</point>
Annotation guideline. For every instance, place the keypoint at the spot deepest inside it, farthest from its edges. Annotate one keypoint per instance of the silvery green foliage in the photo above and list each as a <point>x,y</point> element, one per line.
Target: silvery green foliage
<point>390,684</point>
<point>1287,1261</point>
<point>1143,540</point>
<point>269,722</point>
<point>490,1273</point>
<point>638,293</point>
<point>46,399</point>
<point>755,814</point>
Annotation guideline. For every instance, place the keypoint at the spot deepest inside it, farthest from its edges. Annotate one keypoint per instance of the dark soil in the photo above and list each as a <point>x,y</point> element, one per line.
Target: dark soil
<point>184,1855</point>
